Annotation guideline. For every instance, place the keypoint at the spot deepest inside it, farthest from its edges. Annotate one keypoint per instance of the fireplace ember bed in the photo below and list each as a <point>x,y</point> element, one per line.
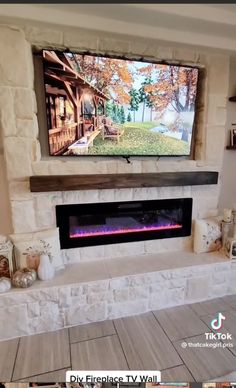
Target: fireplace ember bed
<point>115,222</point>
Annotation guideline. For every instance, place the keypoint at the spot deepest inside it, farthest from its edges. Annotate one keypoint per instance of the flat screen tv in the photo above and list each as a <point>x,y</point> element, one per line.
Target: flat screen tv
<point>105,106</point>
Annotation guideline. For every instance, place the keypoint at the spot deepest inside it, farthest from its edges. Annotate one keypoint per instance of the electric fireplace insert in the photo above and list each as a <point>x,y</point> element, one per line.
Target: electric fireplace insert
<point>115,222</point>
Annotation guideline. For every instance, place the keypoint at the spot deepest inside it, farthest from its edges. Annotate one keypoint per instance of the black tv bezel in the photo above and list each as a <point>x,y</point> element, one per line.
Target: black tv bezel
<point>135,59</point>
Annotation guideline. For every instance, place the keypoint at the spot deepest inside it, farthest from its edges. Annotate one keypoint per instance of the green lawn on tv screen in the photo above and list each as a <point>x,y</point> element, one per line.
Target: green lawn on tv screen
<point>139,140</point>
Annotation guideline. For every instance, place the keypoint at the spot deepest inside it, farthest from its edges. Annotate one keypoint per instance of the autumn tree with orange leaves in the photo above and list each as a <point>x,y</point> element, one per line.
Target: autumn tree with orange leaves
<point>163,86</point>
<point>173,85</point>
<point>112,76</point>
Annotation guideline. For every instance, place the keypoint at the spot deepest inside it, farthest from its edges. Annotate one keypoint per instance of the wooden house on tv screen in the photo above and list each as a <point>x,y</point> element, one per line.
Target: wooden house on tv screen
<point>74,108</point>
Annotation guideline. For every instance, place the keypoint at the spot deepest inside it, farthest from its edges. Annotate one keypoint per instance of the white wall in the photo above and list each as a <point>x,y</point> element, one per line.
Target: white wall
<point>228,175</point>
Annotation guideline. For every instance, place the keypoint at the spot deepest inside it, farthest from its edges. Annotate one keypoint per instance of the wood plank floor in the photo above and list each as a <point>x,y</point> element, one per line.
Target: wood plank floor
<point>180,322</point>
<point>147,341</point>
<point>143,341</point>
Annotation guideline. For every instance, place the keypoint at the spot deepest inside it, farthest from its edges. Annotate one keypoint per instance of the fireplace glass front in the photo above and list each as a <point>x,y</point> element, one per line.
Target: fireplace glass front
<point>108,223</point>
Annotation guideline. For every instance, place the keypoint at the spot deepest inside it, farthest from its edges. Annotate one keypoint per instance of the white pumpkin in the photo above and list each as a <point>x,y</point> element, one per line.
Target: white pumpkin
<point>5,284</point>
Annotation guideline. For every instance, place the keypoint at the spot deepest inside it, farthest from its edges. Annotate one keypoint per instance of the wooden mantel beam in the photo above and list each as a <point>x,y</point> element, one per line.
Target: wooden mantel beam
<point>45,183</point>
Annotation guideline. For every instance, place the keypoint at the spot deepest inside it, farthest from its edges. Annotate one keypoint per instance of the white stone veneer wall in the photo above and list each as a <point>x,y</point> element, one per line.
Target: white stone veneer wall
<point>37,310</point>
<point>19,127</point>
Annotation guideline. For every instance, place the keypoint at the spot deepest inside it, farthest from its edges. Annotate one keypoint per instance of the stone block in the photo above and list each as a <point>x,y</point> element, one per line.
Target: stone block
<point>142,279</point>
<point>44,36</point>
<point>152,246</point>
<point>227,266</point>
<point>119,283</point>
<point>112,166</point>
<point>23,216</point>
<point>49,294</point>
<point>215,143</point>
<point>149,166</point>
<point>24,103</point>
<point>219,278</point>
<point>232,282</point>
<point>166,298</point>
<point>14,64</point>
<point>156,288</point>
<point>157,300</point>
<point>125,249</point>
<point>82,196</point>
<point>197,289</point>
<point>123,194</point>
<point>19,190</point>
<point>45,219</point>
<point>41,167</point>
<point>218,74</point>
<point>95,298</point>
<point>72,255</point>
<point>64,297</point>
<point>124,309</point>
<point>17,325</point>
<point>27,128</point>
<point>92,166</point>
<point>218,290</point>
<point>81,40</point>
<point>106,195</point>
<point>7,114</point>
<point>186,272</point>
<point>36,151</point>
<point>98,286</point>
<point>152,193</point>
<point>177,283</point>
<point>121,295</point>
<point>121,46</point>
<point>175,296</point>
<point>139,292</point>
<point>33,310</point>
<point>46,324</point>
<point>92,253</point>
<point>47,201</point>
<point>76,290</point>
<point>85,314</point>
<point>216,115</point>
<point>140,193</point>
<point>143,48</point>
<point>184,55</point>
<point>164,53</point>
<point>48,308</point>
<point>130,168</point>
<point>80,300</point>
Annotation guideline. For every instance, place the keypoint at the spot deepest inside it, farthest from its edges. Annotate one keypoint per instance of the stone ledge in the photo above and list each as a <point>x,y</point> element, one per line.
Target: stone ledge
<point>114,288</point>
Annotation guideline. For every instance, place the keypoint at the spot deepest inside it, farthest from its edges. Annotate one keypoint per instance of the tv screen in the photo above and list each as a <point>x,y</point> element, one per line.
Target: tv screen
<point>104,106</point>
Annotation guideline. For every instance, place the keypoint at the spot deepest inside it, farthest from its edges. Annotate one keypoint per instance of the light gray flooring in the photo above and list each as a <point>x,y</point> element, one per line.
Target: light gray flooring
<point>148,341</point>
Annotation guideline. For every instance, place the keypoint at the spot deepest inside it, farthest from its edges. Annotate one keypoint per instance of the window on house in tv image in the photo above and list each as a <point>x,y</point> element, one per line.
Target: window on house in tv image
<point>98,106</point>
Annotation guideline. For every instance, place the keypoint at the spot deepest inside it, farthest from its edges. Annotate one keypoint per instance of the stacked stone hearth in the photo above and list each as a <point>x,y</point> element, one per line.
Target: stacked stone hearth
<point>24,157</point>
<point>72,299</point>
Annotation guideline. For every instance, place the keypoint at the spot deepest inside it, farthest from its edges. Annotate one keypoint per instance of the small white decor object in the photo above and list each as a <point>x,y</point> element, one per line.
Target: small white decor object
<point>207,235</point>
<point>5,284</point>
<point>45,270</point>
<point>227,215</point>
